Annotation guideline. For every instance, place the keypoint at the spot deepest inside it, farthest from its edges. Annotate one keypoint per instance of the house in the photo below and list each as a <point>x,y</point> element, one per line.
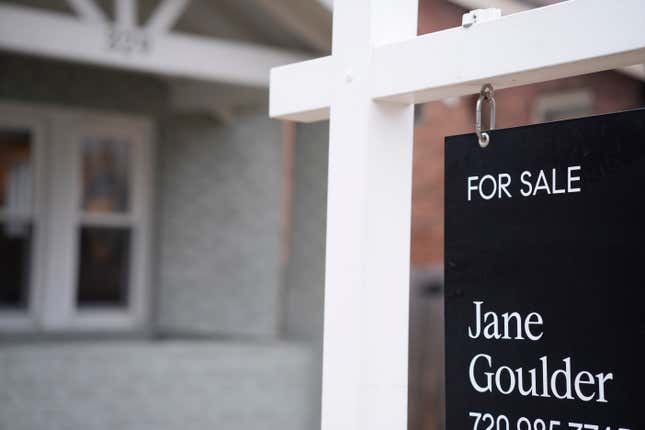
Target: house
<point>142,208</point>
<point>162,240</point>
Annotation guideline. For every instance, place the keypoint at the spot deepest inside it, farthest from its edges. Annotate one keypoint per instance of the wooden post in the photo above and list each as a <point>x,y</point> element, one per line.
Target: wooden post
<point>365,353</point>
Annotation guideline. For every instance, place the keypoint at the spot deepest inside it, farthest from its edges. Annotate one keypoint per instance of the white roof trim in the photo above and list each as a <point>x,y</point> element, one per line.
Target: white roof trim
<point>35,32</point>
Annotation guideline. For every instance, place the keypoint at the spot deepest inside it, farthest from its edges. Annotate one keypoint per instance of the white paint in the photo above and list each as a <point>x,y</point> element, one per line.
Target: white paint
<point>368,211</point>
<point>368,227</point>
<point>510,51</point>
<point>29,31</point>
<point>88,10</point>
<point>126,13</point>
<point>303,91</point>
<point>480,15</point>
<point>514,6</point>
<point>166,15</point>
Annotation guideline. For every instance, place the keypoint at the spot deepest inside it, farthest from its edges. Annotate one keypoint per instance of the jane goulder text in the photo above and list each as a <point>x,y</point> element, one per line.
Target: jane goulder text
<point>487,376</point>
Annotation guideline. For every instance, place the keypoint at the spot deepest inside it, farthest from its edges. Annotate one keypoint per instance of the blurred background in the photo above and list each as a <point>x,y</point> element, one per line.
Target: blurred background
<point>162,240</point>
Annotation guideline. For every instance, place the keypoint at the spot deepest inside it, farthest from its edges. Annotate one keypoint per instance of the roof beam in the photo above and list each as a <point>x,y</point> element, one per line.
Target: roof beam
<point>126,13</point>
<point>87,10</point>
<point>29,31</point>
<point>166,15</point>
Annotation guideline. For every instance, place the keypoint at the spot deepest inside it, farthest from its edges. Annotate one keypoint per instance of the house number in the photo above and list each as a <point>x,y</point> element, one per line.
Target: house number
<point>128,41</point>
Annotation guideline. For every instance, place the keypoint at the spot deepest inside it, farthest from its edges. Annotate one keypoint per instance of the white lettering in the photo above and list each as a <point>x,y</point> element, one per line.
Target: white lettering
<point>504,182</point>
<point>489,376</point>
<point>533,319</point>
<point>532,184</point>
<point>556,190</point>
<point>541,184</point>
<point>478,313</point>
<point>481,186</point>
<point>529,191</point>
<point>571,179</point>
<point>470,185</point>
<point>588,380</point>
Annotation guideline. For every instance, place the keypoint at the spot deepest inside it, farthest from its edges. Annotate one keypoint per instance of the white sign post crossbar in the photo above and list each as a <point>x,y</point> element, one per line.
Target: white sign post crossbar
<point>378,69</point>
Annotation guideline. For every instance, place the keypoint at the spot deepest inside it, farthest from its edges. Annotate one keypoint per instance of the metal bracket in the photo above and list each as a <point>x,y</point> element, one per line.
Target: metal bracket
<point>485,96</point>
<point>480,15</point>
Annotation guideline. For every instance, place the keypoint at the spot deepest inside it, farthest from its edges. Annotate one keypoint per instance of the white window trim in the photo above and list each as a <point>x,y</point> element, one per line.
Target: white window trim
<point>57,134</point>
<point>562,100</point>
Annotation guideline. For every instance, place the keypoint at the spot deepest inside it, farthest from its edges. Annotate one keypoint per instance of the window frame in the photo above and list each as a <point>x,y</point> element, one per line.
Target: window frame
<point>52,306</point>
<point>19,320</point>
<point>581,100</point>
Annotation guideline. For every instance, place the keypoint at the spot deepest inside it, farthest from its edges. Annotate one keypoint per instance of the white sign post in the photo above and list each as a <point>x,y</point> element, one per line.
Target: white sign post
<point>379,68</point>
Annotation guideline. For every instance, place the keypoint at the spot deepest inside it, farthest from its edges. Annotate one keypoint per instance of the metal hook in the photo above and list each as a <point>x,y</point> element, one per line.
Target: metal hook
<point>485,95</point>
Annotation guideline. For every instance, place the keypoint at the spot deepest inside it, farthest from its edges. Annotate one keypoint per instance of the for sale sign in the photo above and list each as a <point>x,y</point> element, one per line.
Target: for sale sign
<point>545,276</point>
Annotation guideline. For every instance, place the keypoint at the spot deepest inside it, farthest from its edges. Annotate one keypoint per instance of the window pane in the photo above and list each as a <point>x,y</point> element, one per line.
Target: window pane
<point>104,266</point>
<point>15,258</point>
<point>106,171</point>
<point>15,170</point>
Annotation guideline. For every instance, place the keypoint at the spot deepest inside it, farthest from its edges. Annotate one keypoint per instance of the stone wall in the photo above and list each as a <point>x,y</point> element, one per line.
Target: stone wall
<point>305,273</point>
<point>220,191</point>
<point>107,385</point>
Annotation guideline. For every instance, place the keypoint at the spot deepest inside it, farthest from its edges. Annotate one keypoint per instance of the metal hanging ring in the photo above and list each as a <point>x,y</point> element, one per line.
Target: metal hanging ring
<point>485,95</point>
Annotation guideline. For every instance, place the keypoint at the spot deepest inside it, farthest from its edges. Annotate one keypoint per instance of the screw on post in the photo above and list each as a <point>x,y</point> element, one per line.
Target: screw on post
<point>485,95</point>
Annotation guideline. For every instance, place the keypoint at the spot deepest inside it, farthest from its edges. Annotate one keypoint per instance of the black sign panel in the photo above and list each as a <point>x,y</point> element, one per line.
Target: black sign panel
<point>545,276</point>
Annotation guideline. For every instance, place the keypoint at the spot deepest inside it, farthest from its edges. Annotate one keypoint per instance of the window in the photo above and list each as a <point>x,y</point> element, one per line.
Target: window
<point>105,223</point>
<point>74,208</point>
<point>16,215</point>
<point>565,105</point>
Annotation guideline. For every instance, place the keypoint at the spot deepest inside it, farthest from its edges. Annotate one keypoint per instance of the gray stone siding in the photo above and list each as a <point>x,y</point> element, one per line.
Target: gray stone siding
<point>220,191</point>
<point>162,386</point>
<point>305,271</point>
<point>305,274</point>
<point>40,81</point>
